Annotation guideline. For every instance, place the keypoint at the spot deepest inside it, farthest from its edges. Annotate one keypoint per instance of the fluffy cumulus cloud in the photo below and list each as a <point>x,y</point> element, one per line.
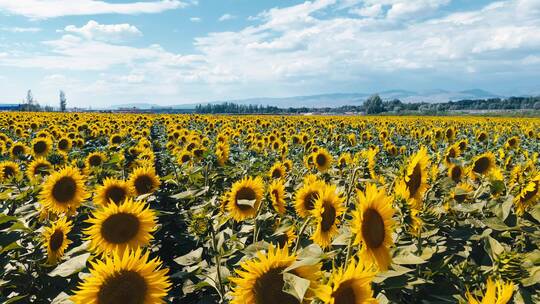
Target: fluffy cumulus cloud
<point>312,47</point>
<point>105,32</point>
<point>42,9</point>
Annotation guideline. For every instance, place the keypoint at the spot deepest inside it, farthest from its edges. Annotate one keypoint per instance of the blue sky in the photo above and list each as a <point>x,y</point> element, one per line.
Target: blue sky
<point>184,51</point>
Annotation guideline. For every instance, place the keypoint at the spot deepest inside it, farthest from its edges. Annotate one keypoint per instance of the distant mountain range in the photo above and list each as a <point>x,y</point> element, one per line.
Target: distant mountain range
<point>336,99</point>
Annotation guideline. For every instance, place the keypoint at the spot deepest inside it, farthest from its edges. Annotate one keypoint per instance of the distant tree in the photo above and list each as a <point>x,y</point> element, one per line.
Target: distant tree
<point>29,103</point>
<point>63,101</point>
<point>373,105</point>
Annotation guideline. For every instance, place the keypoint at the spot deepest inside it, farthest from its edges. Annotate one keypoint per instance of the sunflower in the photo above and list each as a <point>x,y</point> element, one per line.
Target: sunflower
<point>130,277</point>
<point>38,168</point>
<point>115,140</point>
<point>416,174</point>
<point>285,238</point>
<point>372,224</point>
<point>481,136</point>
<point>184,157</point>
<point>94,160</point>
<point>497,292</point>
<point>455,172</point>
<point>327,209</point>
<point>120,227</point>
<point>482,164</point>
<point>512,142</point>
<point>41,146</point>
<point>55,239</point>
<point>262,279</point>
<point>222,153</point>
<point>288,164</point>
<point>452,152</point>
<point>245,197</point>
<point>348,286</point>
<point>306,196</point>
<point>322,159</point>
<point>143,180</point>
<point>18,149</point>
<point>276,190</point>
<point>8,170</point>
<point>63,191</point>
<point>411,208</point>
<point>277,171</point>
<point>528,196</point>
<point>112,190</point>
<point>64,144</point>
<point>462,192</point>
<point>344,160</point>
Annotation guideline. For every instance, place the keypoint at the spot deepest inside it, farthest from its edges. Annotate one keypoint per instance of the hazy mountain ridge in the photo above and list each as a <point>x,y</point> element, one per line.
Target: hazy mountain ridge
<point>336,99</point>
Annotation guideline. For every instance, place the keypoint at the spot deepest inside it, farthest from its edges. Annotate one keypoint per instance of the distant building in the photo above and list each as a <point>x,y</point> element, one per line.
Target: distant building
<point>10,107</point>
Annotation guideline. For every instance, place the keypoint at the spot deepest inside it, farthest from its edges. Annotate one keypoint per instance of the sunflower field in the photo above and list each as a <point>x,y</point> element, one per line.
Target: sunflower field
<point>109,208</point>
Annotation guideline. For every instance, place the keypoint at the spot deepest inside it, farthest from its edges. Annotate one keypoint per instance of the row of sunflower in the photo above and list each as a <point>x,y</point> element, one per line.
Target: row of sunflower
<point>105,208</point>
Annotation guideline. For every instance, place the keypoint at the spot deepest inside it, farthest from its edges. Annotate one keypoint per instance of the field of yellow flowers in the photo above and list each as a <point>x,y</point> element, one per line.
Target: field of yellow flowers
<point>107,208</point>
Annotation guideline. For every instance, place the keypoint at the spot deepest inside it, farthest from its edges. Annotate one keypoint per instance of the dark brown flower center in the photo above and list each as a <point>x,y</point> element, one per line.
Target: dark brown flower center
<point>143,184</point>
<point>310,199</point>
<point>345,293</point>
<point>116,139</point>
<point>120,228</point>
<point>116,193</point>
<point>415,180</point>
<point>186,158</point>
<point>456,173</point>
<point>268,289</point>
<point>40,147</point>
<point>18,149</point>
<point>56,240</point>
<point>63,144</point>
<point>321,160</point>
<point>460,198</point>
<point>8,171</point>
<point>373,228</point>
<point>245,193</point>
<point>42,169</point>
<point>328,217</point>
<point>276,173</point>
<point>481,165</point>
<point>64,189</point>
<point>127,287</point>
<point>95,160</point>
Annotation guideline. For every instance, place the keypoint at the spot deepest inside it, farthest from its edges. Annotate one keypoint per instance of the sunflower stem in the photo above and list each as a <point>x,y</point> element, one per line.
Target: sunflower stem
<point>217,257</point>
<point>349,250</point>
<point>300,233</point>
<point>349,191</point>
<point>255,226</point>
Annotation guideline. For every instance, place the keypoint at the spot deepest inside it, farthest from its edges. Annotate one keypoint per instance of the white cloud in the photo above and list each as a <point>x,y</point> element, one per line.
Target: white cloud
<point>371,11</point>
<point>136,77</point>
<point>408,8</point>
<point>308,48</point>
<point>104,32</point>
<point>21,29</point>
<point>226,17</point>
<point>195,19</point>
<point>42,9</point>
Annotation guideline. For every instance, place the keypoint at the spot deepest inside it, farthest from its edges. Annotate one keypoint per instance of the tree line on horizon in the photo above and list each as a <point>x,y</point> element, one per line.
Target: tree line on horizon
<point>375,105</point>
<point>30,103</point>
